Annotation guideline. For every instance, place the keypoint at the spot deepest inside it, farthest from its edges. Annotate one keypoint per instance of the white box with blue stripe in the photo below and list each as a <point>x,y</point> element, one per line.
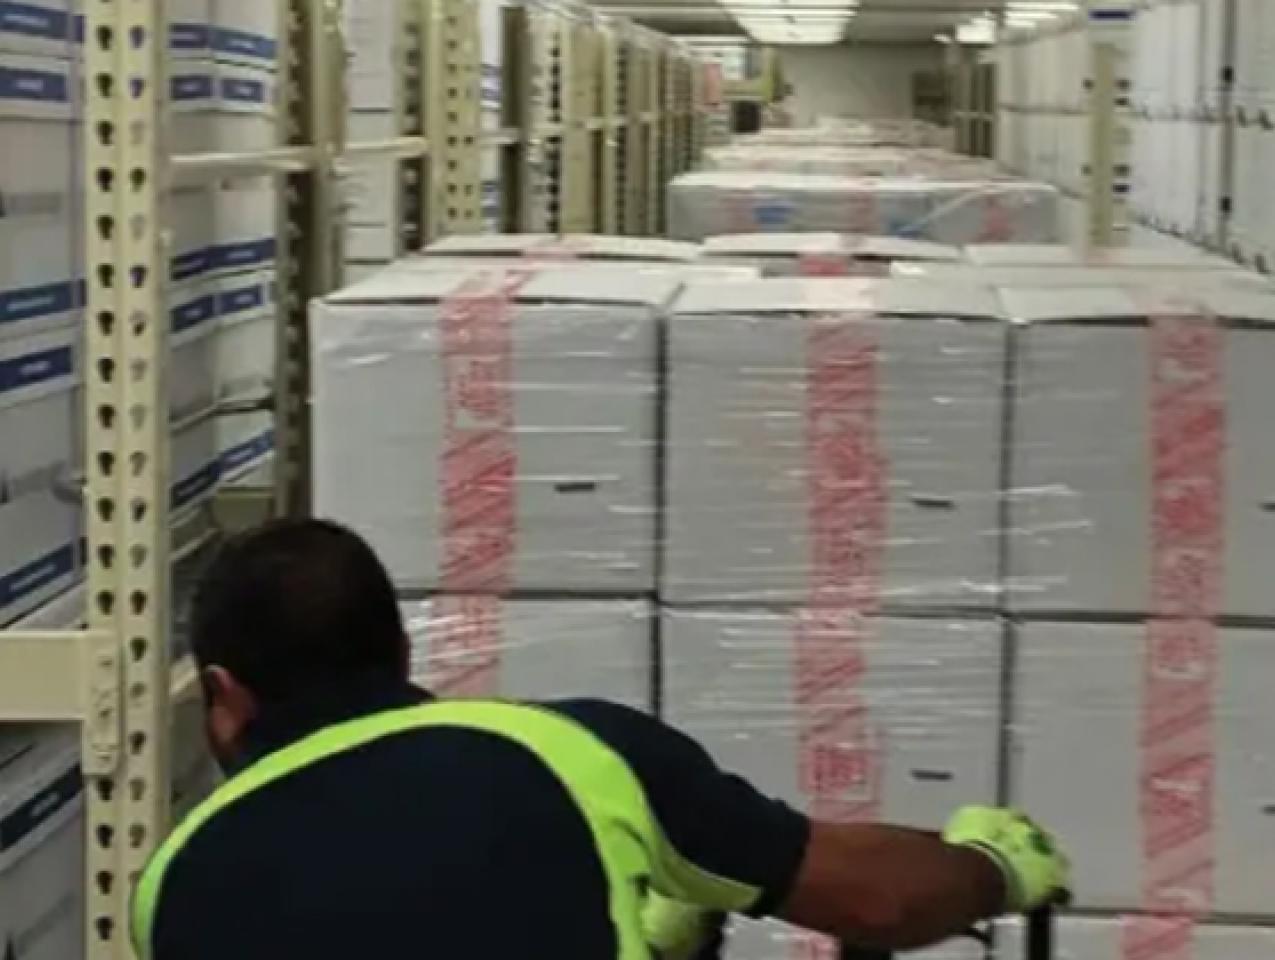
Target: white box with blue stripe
<point>244,219</point>
<point>246,32</point>
<point>40,27</point>
<point>42,853</point>
<point>244,352</point>
<point>36,239</point>
<point>40,515</point>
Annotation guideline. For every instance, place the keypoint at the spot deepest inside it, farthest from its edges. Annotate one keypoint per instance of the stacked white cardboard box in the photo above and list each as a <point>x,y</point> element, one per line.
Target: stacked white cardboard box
<point>953,210</point>
<point>494,434</point>
<point>902,552</point>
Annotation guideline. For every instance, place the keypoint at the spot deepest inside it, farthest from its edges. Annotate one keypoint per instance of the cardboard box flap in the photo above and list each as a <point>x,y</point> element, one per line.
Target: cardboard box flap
<point>568,245</point>
<point>901,297</point>
<point>1136,302</point>
<point>1022,255</point>
<point>901,248</point>
<point>649,286</point>
<point>1057,254</point>
<point>774,244</point>
<point>1062,277</point>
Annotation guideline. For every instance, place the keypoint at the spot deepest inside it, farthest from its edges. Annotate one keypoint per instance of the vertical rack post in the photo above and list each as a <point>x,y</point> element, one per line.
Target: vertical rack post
<point>457,176</point>
<point>611,219</point>
<point>1101,196</point>
<point>127,462</point>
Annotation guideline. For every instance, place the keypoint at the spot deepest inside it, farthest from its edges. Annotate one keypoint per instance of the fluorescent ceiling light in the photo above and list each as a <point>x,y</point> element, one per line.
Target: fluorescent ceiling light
<point>795,22</point>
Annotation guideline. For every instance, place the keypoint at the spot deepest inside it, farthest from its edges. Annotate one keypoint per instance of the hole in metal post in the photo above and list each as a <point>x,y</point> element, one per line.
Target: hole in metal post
<point>137,835</point>
<point>137,601</point>
<point>106,369</point>
<point>106,509</point>
<point>105,928</point>
<point>105,880</point>
<point>105,318</point>
<point>105,834</point>
<point>106,555</point>
<point>136,742</point>
<point>106,602</point>
<point>137,648</point>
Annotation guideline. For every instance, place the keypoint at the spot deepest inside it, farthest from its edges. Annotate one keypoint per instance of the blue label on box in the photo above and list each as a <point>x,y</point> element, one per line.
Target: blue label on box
<point>45,804</point>
<point>244,44</point>
<point>244,454</point>
<point>184,266</point>
<point>28,21</point>
<point>36,575</point>
<point>247,253</point>
<point>242,300</point>
<point>193,313</point>
<point>188,36</point>
<point>32,369</point>
<point>772,213</point>
<point>39,86</point>
<point>191,86</point>
<point>243,90</point>
<point>197,485</point>
<point>29,303</point>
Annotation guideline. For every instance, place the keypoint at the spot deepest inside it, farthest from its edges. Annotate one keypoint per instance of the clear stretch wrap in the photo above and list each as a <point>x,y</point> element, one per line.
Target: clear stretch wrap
<point>823,254</point>
<point>781,391</point>
<point>848,161</point>
<point>495,430</point>
<point>841,132</point>
<point>471,646</point>
<point>995,534</point>
<point>955,211</point>
<point>567,246</point>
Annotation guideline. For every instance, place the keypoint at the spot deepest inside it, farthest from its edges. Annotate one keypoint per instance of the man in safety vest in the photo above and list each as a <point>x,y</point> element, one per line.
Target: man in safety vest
<point>362,818</point>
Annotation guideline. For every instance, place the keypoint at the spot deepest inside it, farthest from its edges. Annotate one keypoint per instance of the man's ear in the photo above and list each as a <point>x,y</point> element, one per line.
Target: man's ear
<point>229,708</point>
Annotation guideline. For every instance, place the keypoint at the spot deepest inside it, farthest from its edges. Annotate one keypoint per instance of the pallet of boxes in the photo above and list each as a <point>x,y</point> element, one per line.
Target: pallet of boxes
<point>885,546</point>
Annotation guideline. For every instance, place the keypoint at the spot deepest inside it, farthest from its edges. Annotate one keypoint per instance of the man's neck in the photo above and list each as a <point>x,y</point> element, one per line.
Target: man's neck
<point>284,722</point>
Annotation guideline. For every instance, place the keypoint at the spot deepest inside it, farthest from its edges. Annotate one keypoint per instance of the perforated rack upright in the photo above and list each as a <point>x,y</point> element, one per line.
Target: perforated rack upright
<point>114,678</point>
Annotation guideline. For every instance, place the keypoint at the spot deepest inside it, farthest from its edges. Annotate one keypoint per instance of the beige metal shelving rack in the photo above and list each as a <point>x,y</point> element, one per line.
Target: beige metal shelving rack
<point>583,162</point>
<point>114,678</point>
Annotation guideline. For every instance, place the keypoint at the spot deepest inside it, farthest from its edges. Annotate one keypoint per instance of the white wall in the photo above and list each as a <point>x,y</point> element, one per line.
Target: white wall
<point>855,79</point>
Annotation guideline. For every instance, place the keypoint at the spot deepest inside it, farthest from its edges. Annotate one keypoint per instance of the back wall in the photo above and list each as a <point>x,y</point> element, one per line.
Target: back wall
<point>855,79</point>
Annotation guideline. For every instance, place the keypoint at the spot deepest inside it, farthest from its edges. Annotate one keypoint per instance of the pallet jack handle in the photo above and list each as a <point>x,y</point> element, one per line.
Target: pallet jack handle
<point>1039,942</point>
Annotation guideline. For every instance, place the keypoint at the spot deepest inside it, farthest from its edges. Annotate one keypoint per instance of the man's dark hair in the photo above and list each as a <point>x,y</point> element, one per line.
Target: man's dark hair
<point>296,604</point>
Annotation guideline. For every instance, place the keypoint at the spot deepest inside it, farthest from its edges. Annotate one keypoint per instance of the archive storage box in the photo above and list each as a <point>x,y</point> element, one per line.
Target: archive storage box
<point>37,272</point>
<point>1129,739</point>
<point>569,246</point>
<point>39,452</point>
<point>1118,938</point>
<point>822,254</point>
<point>494,430</point>
<point>845,718</point>
<point>42,832</point>
<point>1134,407</point>
<point>797,407</point>
<point>950,211</point>
<point>470,646</point>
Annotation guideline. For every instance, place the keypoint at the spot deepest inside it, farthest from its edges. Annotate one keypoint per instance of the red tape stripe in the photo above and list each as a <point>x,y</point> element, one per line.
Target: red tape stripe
<point>840,749</point>
<point>466,645</point>
<point>1178,764</point>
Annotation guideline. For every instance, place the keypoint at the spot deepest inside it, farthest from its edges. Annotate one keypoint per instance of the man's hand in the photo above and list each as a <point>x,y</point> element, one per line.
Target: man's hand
<point>1036,871</point>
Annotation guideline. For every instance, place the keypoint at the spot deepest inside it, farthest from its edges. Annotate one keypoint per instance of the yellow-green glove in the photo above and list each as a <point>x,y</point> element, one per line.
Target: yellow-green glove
<point>676,930</point>
<point>1037,873</point>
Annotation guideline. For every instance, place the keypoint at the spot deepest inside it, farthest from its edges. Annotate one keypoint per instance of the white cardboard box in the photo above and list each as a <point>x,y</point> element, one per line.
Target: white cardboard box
<point>743,453</point>
<point>534,649</point>
<point>372,191</point>
<point>42,855</point>
<point>1079,708</point>
<point>1081,475</point>
<point>930,688</point>
<point>582,382</point>
<point>39,27</point>
<point>491,42</point>
<point>772,940</point>
<point>245,444</point>
<point>822,254</point>
<point>195,466</point>
<point>245,351</point>
<point>39,450</point>
<point>570,246</point>
<point>244,108</point>
<point>709,203</point>
<point>1116,939</point>
<point>246,32</point>
<point>371,31</point>
<point>244,225</point>
<point>37,287</point>
<point>36,114</point>
<point>192,385</point>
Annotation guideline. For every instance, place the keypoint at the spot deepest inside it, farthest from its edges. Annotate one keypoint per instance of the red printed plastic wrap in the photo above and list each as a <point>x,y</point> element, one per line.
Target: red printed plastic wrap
<point>840,749</point>
<point>1178,764</point>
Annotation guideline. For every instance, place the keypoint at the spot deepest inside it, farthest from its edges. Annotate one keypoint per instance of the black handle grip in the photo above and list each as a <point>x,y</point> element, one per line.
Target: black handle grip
<point>1040,934</point>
